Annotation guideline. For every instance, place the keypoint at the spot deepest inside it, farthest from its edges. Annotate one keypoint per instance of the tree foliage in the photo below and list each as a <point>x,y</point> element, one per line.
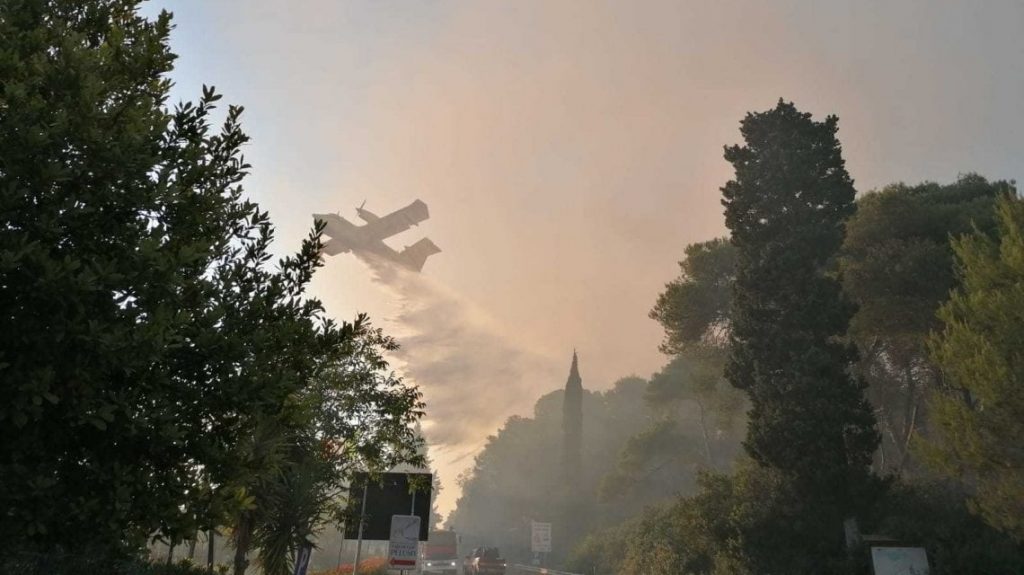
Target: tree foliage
<point>355,415</point>
<point>809,421</point>
<point>897,262</point>
<point>935,515</point>
<point>694,308</point>
<point>695,424</point>
<point>786,208</point>
<point>980,414</point>
<point>501,495</point>
<point>730,527</point>
<point>106,244</point>
<point>689,395</point>
<point>897,266</point>
<point>163,376</point>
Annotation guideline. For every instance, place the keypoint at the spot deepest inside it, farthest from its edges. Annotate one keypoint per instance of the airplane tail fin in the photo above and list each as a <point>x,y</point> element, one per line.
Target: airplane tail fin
<point>416,255</point>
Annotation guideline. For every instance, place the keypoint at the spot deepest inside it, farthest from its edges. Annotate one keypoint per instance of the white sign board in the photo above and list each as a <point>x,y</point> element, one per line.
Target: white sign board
<point>899,561</point>
<point>403,548</point>
<point>540,537</point>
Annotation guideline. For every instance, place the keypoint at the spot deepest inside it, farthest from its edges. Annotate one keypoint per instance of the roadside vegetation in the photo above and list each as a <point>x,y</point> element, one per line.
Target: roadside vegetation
<point>162,377</point>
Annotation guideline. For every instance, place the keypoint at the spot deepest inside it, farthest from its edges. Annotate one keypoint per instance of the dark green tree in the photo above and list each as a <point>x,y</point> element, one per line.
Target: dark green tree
<point>786,208</point>
<point>897,266</point>
<point>694,311</point>
<point>694,308</point>
<point>731,526</point>
<point>936,516</point>
<point>112,212</point>
<point>161,372</point>
<point>979,418</point>
<point>354,415</point>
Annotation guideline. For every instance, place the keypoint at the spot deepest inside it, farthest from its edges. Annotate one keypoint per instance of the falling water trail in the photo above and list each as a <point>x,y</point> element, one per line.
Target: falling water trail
<point>473,374</point>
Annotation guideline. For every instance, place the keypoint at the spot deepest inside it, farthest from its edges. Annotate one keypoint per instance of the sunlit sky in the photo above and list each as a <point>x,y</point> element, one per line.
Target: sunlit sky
<point>569,150</point>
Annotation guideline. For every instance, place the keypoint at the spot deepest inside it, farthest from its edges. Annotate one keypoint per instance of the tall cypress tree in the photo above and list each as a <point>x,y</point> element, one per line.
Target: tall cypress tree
<point>574,513</point>
<point>786,209</point>
<point>572,424</point>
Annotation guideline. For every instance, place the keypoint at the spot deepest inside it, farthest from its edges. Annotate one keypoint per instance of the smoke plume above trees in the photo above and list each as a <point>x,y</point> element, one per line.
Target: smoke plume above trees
<point>473,375</point>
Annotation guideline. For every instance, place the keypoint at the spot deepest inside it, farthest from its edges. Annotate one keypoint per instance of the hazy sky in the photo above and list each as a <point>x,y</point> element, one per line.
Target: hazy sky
<point>569,151</point>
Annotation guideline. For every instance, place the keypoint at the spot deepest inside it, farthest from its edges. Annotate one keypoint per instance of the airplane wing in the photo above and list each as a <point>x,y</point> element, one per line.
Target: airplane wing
<point>336,226</point>
<point>416,255</point>
<point>396,222</point>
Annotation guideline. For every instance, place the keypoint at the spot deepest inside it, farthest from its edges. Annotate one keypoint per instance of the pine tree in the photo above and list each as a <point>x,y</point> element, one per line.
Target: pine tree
<point>786,208</point>
<point>980,417</point>
<point>897,266</point>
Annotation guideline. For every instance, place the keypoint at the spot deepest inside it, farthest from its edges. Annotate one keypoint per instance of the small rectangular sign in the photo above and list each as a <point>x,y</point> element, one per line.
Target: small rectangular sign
<point>540,537</point>
<point>403,547</point>
<point>899,561</point>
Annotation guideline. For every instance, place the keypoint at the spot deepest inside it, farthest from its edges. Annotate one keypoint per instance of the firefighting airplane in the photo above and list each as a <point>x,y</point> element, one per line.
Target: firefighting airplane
<point>369,238</point>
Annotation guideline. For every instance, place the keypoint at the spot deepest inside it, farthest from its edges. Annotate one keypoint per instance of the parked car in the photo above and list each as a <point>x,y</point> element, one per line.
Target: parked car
<point>484,561</point>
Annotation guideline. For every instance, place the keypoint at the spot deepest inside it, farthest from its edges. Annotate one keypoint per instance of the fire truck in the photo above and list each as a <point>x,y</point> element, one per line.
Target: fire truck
<point>440,553</point>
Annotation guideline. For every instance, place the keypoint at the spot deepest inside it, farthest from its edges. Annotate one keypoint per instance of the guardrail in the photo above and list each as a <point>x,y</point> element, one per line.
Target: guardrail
<point>540,570</point>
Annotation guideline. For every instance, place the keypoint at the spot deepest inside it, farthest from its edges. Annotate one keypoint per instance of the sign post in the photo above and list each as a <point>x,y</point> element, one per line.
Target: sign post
<point>540,537</point>
<point>359,540</point>
<point>403,547</point>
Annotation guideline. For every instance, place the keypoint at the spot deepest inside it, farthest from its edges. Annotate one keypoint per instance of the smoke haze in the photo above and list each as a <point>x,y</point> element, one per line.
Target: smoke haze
<point>569,151</point>
<point>472,375</point>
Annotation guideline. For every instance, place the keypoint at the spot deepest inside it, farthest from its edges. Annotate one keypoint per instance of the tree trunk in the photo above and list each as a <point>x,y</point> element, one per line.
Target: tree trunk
<point>707,439</point>
<point>909,415</point>
<point>881,456</point>
<point>906,445</point>
<point>243,538</point>
<point>888,430</point>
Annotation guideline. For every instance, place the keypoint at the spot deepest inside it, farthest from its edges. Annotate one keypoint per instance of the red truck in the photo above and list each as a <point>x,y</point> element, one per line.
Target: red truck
<point>484,561</point>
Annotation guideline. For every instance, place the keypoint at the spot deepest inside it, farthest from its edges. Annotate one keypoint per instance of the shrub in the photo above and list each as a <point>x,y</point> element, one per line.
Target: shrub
<point>371,566</point>
<point>935,516</point>
<point>58,563</point>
